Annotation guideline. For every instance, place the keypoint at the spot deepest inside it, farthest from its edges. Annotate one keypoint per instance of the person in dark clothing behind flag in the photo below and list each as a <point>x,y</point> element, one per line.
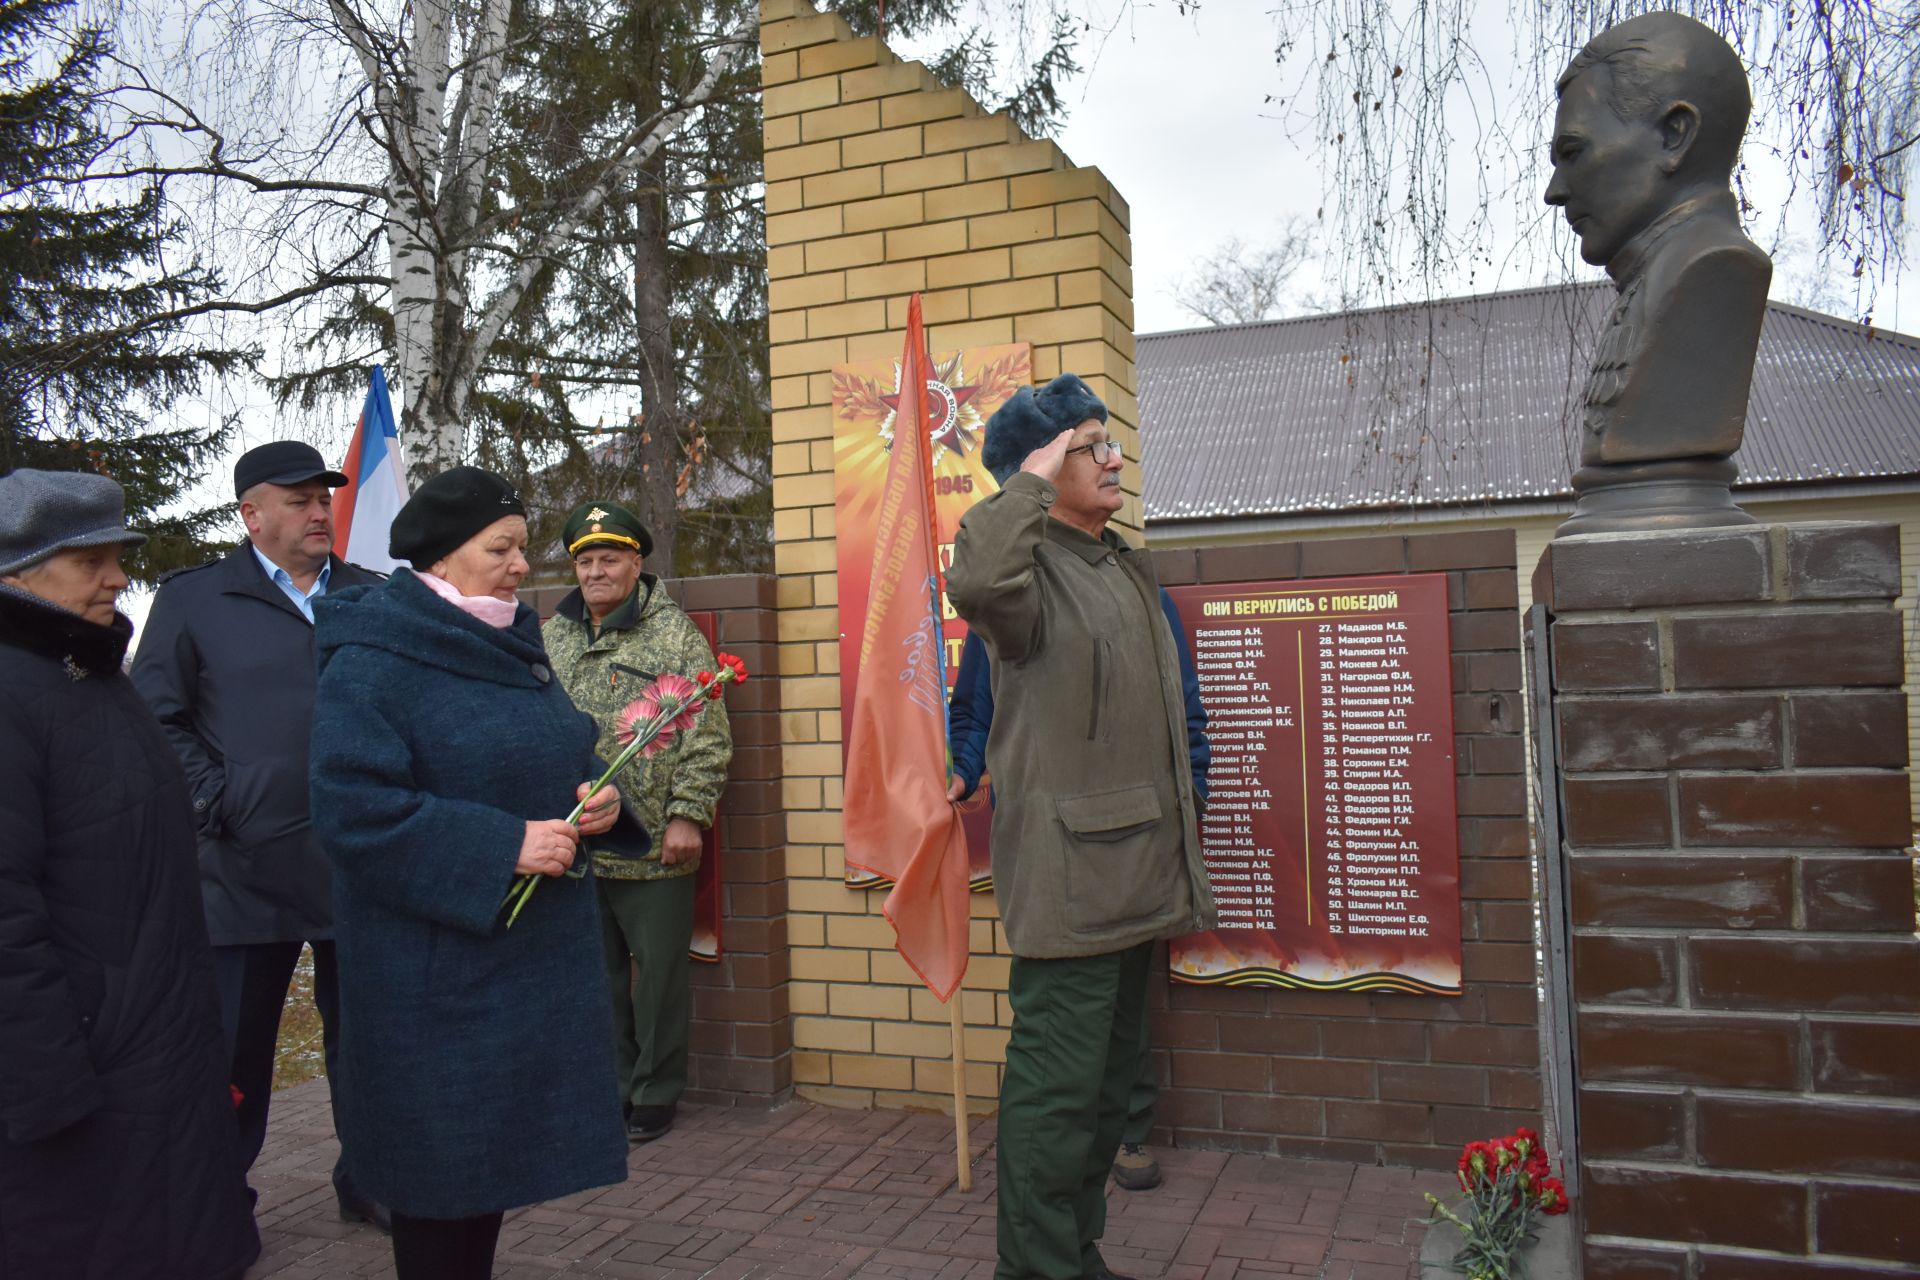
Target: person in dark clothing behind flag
<point>969,720</point>
<point>117,1154</point>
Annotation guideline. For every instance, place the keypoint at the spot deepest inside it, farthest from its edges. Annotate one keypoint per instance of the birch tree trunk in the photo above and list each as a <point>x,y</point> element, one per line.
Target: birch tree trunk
<point>437,220</point>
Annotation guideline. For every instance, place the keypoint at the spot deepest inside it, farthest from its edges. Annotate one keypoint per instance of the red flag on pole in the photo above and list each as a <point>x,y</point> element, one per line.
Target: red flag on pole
<point>898,822</point>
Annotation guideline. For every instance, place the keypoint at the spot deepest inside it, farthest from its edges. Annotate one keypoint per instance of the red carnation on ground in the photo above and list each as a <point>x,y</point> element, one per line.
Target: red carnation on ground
<point>1508,1184</point>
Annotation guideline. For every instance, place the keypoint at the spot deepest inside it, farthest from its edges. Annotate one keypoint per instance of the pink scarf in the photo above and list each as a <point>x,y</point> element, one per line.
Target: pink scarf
<point>489,609</point>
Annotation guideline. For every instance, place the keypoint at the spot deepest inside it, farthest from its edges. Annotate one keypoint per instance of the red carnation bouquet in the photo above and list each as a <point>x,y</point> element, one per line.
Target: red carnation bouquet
<point>667,705</point>
<point>1509,1185</point>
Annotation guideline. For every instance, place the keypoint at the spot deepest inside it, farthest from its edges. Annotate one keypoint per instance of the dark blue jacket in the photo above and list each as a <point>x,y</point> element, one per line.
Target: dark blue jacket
<point>477,1064</point>
<point>970,709</point>
<point>226,663</point>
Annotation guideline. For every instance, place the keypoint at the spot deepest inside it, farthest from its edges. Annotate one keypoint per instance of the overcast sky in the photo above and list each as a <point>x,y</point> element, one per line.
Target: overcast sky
<point>1174,110</point>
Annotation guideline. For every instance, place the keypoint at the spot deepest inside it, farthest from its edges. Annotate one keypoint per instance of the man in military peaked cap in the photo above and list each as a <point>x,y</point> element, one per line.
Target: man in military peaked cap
<point>607,640</point>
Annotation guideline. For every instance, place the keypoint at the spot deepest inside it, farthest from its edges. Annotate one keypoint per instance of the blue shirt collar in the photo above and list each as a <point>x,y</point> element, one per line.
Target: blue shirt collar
<point>303,601</point>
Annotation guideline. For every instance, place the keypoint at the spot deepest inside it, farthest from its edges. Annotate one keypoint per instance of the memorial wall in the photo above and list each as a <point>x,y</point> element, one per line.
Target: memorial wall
<point>1329,832</point>
<point>882,182</point>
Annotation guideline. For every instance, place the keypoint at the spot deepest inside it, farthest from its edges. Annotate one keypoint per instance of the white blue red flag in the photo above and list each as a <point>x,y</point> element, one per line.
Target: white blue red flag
<point>376,488</point>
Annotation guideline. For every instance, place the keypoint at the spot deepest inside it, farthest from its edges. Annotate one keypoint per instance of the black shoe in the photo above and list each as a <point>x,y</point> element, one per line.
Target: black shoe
<point>1102,1273</point>
<point>648,1123</point>
<point>354,1208</point>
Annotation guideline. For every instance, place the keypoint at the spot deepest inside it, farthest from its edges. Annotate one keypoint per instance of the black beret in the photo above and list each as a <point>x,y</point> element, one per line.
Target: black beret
<point>1033,418</point>
<point>446,511</point>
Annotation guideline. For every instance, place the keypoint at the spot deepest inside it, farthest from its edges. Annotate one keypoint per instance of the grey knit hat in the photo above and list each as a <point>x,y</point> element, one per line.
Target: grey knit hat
<point>44,512</point>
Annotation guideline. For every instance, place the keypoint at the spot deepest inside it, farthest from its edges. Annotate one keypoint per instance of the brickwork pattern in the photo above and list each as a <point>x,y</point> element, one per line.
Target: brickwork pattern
<point>1733,755</point>
<point>742,1044</point>
<point>820,1193</point>
<point>1375,1077</point>
<point>882,182</point>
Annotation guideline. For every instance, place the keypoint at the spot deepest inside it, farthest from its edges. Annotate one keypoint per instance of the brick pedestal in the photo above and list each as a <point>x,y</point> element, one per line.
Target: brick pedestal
<point>1746,979</point>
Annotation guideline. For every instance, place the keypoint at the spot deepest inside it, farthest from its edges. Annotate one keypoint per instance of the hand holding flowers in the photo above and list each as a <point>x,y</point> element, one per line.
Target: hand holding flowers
<point>601,811</point>
<point>547,848</point>
<point>668,704</point>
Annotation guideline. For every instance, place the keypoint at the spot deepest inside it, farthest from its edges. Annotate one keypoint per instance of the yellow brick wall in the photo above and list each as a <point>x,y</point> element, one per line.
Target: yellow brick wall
<point>882,182</point>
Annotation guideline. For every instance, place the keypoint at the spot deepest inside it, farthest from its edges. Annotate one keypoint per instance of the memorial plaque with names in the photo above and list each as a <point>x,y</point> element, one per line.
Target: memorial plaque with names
<point>1330,834</point>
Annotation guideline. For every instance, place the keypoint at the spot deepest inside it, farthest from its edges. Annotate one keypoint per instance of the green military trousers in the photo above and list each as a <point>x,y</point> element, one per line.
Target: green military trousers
<point>1071,1062</point>
<point>1144,1093</point>
<point>646,927</point>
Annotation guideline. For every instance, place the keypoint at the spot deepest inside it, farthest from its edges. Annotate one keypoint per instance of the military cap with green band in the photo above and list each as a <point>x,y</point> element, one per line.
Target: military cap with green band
<point>603,523</point>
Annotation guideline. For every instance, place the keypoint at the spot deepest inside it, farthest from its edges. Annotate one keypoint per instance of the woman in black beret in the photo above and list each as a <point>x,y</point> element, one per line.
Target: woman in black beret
<point>476,1060</point>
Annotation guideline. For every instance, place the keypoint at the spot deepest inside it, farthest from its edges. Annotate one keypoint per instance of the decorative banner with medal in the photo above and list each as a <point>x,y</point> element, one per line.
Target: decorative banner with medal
<point>964,390</point>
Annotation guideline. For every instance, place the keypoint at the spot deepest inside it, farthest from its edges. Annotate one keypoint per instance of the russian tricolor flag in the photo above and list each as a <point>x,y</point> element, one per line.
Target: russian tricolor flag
<point>376,489</point>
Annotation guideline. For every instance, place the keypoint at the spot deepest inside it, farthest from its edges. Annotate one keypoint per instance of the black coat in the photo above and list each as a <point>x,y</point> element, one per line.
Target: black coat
<point>226,662</point>
<point>117,1157</point>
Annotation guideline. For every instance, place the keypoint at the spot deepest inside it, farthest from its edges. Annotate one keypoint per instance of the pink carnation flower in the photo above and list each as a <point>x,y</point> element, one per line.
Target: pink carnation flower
<point>677,690</point>
<point>667,692</point>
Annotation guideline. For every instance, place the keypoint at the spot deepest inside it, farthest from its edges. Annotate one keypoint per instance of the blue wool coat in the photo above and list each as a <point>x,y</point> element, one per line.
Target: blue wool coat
<point>477,1066</point>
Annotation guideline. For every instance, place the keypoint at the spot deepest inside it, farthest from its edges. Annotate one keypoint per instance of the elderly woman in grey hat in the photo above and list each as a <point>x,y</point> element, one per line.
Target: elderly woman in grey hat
<point>116,1121</point>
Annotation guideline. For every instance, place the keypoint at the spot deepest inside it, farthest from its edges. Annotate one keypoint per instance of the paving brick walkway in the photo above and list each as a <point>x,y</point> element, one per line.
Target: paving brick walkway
<point>819,1193</point>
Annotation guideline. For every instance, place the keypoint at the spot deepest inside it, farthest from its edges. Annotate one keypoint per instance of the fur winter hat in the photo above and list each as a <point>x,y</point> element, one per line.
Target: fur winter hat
<point>1033,418</point>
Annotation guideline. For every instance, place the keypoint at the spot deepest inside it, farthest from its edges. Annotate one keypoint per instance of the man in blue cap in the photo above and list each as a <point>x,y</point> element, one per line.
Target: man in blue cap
<point>1096,845</point>
<point>227,664</point>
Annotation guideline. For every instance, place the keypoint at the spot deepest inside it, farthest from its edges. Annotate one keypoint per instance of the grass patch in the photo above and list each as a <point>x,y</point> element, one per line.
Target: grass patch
<point>301,1054</point>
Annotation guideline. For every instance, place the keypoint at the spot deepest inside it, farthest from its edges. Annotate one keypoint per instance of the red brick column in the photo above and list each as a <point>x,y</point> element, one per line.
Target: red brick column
<point>1746,989</point>
<point>742,1050</point>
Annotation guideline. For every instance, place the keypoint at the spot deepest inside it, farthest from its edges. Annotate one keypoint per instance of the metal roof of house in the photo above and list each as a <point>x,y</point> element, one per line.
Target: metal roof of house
<point>1476,400</point>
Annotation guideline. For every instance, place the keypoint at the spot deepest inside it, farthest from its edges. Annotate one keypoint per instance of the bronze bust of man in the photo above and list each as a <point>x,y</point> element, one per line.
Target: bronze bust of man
<point>1648,130</point>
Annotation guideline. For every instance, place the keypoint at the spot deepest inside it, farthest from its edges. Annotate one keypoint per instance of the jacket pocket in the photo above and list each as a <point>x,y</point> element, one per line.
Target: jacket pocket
<point>1117,873</point>
<point>264,801</point>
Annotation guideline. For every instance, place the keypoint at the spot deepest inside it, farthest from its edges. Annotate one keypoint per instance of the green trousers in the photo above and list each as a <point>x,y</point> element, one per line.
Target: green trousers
<point>1072,1061</point>
<point>1143,1094</point>
<point>646,926</point>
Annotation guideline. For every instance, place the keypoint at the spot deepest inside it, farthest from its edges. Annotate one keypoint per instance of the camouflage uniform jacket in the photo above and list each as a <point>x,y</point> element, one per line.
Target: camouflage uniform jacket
<point>605,671</point>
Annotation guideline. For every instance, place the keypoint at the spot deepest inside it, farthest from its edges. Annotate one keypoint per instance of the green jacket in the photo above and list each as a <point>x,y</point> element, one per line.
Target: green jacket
<point>605,671</point>
<point>1096,845</point>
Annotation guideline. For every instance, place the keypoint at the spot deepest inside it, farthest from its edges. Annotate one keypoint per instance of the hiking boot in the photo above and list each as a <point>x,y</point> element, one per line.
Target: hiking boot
<point>1135,1168</point>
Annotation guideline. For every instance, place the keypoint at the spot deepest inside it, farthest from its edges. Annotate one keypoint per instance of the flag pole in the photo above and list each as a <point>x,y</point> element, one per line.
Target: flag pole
<point>961,1150</point>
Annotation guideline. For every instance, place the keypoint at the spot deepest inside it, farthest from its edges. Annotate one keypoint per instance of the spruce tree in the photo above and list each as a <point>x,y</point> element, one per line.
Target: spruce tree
<point>91,350</point>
